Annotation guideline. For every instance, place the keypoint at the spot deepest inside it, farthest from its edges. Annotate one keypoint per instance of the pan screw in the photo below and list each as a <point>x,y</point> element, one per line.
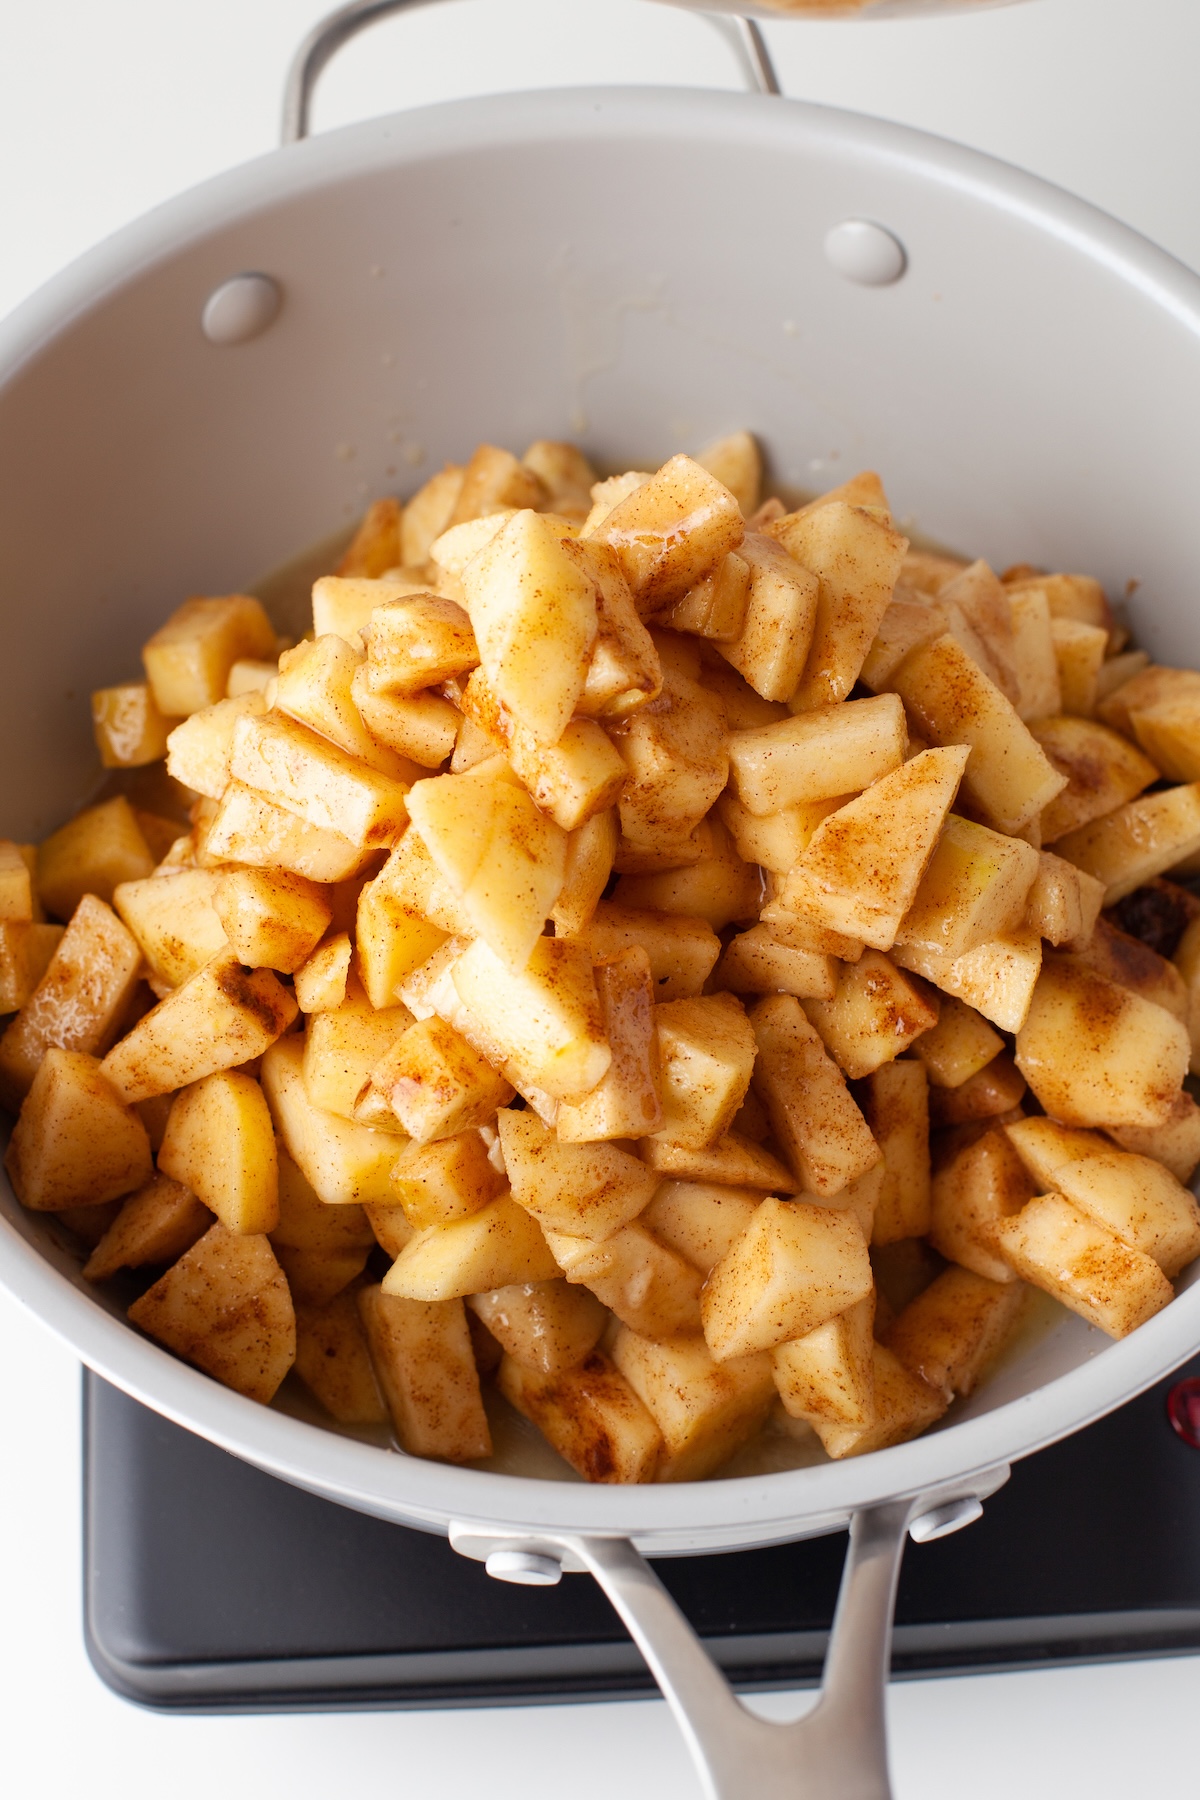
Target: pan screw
<point>865,253</point>
<point>241,309</point>
<point>942,1520</point>
<point>525,1567</point>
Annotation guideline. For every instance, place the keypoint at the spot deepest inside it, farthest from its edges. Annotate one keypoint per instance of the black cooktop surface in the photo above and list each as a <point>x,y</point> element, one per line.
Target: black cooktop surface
<point>212,1587</point>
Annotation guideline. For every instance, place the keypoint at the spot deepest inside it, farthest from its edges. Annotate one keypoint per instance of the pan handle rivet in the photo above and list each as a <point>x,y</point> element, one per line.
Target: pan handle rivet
<point>942,1520</point>
<point>241,309</point>
<point>865,253</point>
<point>527,1568</point>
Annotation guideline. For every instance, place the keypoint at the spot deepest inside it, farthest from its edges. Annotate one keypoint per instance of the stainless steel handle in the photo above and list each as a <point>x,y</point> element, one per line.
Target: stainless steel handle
<point>337,28</point>
<point>839,1750</point>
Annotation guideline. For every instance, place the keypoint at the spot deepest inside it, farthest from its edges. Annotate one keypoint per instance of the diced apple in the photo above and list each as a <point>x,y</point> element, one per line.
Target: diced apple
<point>425,1365</point>
<point>647,1286</point>
<point>627,1102</point>
<point>1095,1054</point>
<point>958,1046</point>
<point>755,963</point>
<point>1175,1143</point>
<point>547,1326</point>
<point>504,861</point>
<point>1064,902</point>
<point>79,1003</point>
<point>700,1220</point>
<point>494,1247</point>
<point>188,659</point>
<point>1056,1247</point>
<point>322,784</point>
<point>813,1116</point>
<point>735,1161</point>
<point>26,949</point>
<point>92,854</point>
<point>981,1184</point>
<point>720,888</point>
<point>225,1306</point>
<point>1131,1195</point>
<point>585,1190</point>
<point>272,919</point>
<point>128,727</point>
<point>670,531</point>
<point>74,1143</point>
<point>856,557</point>
<point>682,951</point>
<point>544,1019</point>
<point>440,1182</point>
<point>896,1107</point>
<point>1103,772</point>
<point>437,1084</point>
<point>249,827</point>
<point>998,978</point>
<point>707,1049</point>
<point>875,1015</point>
<point>590,1415</point>
<point>736,462</point>
<point>995,1090</point>
<point>779,618</point>
<point>905,1406</point>
<point>863,867</point>
<point>676,755</point>
<point>819,754</point>
<point>1137,841</point>
<point>704,1409</point>
<point>1133,965</point>
<point>155,1225</point>
<point>829,1373</point>
<point>344,1162</point>
<point>794,1266</point>
<point>223,1016</point>
<point>375,546</point>
<point>175,921</point>
<point>220,1143</point>
<point>952,1331</point>
<point>342,604</point>
<point>428,513</point>
<point>975,888</point>
<point>951,701</point>
<point>1079,652</point>
<point>334,1362</point>
<point>1039,693</point>
<point>533,612</point>
<point>316,686</point>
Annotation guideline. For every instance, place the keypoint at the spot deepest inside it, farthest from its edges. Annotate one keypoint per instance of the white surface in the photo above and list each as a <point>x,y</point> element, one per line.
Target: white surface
<point>104,111</point>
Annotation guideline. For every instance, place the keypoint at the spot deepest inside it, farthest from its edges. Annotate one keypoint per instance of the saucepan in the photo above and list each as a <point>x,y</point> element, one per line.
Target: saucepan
<point>234,376</point>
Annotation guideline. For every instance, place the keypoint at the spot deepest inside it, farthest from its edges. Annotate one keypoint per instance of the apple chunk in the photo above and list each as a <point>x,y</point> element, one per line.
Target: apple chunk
<point>812,1114</point>
<point>1058,1248</point>
<point>862,869</point>
<point>225,1306</point>
<point>533,611</point>
<point>1095,1054</point>
<point>704,1409</point>
<point>503,859</point>
<point>794,1267</point>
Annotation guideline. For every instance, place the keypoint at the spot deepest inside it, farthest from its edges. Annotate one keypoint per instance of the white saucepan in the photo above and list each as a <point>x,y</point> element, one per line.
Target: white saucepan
<point>234,376</point>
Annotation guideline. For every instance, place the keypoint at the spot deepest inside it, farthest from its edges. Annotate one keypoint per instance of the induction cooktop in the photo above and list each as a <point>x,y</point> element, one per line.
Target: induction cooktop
<point>211,1587</point>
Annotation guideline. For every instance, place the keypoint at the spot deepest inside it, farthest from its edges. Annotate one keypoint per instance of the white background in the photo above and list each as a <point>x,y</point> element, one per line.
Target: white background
<point>107,109</point>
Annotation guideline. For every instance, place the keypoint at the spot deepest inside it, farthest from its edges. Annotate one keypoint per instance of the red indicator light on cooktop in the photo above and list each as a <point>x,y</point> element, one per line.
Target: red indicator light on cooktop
<point>1183,1410</point>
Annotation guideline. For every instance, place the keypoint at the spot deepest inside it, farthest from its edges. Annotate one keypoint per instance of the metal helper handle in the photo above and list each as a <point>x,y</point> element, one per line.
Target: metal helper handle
<point>337,28</point>
<point>839,1750</point>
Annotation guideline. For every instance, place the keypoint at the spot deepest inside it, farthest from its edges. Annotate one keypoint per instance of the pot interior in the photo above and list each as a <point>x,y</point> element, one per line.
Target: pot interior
<point>640,272</point>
